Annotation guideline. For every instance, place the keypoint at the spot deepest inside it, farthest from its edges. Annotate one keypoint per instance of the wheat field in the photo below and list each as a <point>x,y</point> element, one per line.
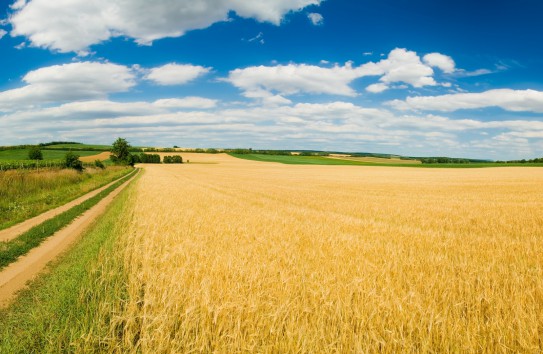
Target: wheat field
<point>240,256</point>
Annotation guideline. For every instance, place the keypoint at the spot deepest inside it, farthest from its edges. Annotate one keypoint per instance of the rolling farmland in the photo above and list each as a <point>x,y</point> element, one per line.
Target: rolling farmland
<point>230,255</point>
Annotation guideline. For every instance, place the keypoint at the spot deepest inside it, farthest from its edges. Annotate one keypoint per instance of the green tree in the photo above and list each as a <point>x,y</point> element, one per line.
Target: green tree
<point>120,152</point>
<point>72,161</point>
<point>35,153</point>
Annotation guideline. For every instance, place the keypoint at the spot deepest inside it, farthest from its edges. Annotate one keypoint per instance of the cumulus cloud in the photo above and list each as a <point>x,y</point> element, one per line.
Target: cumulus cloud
<point>401,66</point>
<point>443,62</point>
<point>405,66</point>
<point>316,18</point>
<point>75,25</point>
<point>510,100</point>
<point>186,102</point>
<point>377,88</point>
<point>176,74</point>
<point>2,33</point>
<point>263,81</point>
<point>68,82</point>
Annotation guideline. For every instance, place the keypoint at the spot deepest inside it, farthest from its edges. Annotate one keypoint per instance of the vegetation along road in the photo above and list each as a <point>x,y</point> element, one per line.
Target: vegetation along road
<point>14,277</point>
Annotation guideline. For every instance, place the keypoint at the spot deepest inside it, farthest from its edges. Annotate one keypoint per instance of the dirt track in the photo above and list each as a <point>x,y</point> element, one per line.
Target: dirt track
<point>12,232</point>
<point>15,276</point>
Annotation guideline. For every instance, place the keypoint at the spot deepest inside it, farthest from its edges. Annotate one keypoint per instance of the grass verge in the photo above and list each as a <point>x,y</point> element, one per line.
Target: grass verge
<point>70,307</point>
<point>11,250</point>
<point>320,160</point>
<point>25,194</point>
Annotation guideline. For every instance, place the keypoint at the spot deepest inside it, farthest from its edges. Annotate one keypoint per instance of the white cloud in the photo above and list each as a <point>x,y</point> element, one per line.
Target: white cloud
<point>478,72</point>
<point>259,38</point>
<point>2,33</point>
<point>405,66</point>
<point>377,88</point>
<point>74,25</point>
<point>443,62</point>
<point>19,4</point>
<point>510,100</point>
<point>316,18</point>
<point>267,98</point>
<point>335,125</point>
<point>186,102</point>
<point>68,82</point>
<point>105,109</point>
<point>261,81</point>
<point>401,66</point>
<point>176,74</point>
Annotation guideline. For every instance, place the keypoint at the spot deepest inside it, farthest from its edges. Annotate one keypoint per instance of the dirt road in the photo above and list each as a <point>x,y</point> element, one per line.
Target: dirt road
<point>16,230</point>
<point>15,276</point>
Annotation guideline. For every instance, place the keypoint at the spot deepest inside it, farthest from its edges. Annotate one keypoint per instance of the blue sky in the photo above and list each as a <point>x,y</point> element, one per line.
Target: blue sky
<point>418,77</point>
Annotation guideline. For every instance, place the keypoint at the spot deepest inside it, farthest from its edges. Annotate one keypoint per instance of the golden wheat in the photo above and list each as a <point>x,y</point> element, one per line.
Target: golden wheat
<point>244,256</point>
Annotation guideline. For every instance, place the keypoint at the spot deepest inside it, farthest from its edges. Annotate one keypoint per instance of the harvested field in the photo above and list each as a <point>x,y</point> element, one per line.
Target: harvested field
<point>244,256</point>
<point>101,156</point>
<point>377,160</point>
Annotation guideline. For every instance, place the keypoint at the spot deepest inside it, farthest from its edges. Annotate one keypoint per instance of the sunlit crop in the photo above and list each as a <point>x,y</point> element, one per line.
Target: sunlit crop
<point>260,257</point>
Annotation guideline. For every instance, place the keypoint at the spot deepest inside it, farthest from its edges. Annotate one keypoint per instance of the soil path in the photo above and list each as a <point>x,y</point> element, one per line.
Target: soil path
<point>15,276</point>
<point>14,231</point>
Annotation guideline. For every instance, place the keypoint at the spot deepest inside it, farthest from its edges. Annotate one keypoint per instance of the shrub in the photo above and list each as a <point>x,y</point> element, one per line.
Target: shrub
<point>34,153</point>
<point>99,164</point>
<point>149,158</point>
<point>173,159</point>
<point>71,160</point>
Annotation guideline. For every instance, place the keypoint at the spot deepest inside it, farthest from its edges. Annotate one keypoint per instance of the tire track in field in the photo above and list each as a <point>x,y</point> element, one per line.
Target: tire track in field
<point>14,231</point>
<point>16,275</point>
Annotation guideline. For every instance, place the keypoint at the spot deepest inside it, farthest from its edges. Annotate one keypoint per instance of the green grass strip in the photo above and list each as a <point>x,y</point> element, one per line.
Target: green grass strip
<point>320,160</point>
<point>10,251</point>
<point>69,308</point>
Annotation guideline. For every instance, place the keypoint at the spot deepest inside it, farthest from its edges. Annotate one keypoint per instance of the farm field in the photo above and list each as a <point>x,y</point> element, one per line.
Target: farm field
<point>324,160</point>
<point>78,146</point>
<point>102,156</point>
<point>300,160</point>
<point>231,255</point>
<point>377,160</point>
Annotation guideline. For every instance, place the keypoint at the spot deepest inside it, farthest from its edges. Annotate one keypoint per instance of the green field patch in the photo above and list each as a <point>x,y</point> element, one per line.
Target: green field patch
<point>299,160</point>
<point>22,154</point>
<point>78,147</point>
<point>321,160</point>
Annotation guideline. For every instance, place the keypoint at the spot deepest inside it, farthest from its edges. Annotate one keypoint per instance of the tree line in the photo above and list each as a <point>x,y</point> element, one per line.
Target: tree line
<point>121,154</point>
